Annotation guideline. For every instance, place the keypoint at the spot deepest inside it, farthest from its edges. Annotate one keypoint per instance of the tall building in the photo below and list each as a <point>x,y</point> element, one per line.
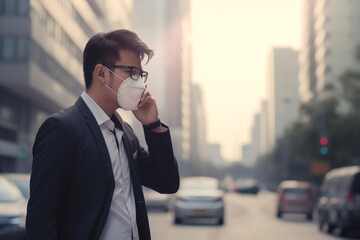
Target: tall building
<point>259,144</point>
<point>307,68</point>
<point>255,140</point>
<point>41,44</point>
<point>213,155</point>
<point>332,33</point>
<point>246,158</point>
<point>166,27</point>
<point>197,125</point>
<point>152,29</point>
<point>283,92</point>
<point>264,129</point>
<point>179,74</point>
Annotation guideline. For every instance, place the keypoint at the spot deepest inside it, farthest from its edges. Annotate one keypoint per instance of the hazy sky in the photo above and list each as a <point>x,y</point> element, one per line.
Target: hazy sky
<point>231,43</point>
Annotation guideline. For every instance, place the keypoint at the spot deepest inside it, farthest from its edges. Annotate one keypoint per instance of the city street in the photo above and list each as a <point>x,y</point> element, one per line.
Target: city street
<point>247,217</point>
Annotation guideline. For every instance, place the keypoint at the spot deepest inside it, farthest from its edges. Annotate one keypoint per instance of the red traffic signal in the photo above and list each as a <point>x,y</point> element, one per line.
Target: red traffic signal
<point>324,145</point>
<point>324,141</point>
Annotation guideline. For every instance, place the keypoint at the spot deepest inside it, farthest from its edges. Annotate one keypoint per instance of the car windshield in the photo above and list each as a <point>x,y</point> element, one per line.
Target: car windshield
<point>200,184</point>
<point>356,184</point>
<point>247,182</point>
<point>296,192</point>
<point>23,185</point>
<point>8,192</point>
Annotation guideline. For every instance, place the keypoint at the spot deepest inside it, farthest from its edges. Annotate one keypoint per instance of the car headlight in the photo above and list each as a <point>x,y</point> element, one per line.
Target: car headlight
<point>219,199</point>
<point>20,221</point>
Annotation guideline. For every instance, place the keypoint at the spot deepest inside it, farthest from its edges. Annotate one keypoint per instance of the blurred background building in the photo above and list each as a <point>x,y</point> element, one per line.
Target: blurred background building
<point>198,142</point>
<point>166,27</point>
<point>41,44</point>
<point>331,34</point>
<point>213,155</point>
<point>283,91</point>
<point>280,109</point>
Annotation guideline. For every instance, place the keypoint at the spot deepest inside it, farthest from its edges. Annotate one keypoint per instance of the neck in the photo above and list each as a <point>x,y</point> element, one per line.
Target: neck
<point>104,102</point>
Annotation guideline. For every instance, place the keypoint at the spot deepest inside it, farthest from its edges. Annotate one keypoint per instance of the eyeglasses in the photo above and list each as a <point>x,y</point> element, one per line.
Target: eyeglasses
<point>135,73</point>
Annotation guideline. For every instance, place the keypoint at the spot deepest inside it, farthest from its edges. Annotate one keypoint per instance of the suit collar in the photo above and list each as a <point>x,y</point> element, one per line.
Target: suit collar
<point>95,109</point>
<point>99,139</point>
<point>88,113</point>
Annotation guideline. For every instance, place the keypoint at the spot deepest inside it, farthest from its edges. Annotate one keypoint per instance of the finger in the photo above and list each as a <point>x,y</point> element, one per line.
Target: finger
<point>144,95</point>
<point>148,99</point>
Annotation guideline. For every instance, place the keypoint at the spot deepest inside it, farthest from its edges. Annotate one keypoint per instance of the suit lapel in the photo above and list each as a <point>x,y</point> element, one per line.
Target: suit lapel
<point>99,139</point>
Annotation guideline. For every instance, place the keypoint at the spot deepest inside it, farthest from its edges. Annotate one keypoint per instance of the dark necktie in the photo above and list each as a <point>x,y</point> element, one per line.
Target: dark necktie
<point>116,140</point>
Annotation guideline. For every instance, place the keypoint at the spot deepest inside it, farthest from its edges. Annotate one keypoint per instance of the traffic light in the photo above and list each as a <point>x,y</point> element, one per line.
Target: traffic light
<point>324,145</point>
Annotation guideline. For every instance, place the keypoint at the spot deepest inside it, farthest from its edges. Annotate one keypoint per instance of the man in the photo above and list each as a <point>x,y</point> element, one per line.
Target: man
<point>88,166</point>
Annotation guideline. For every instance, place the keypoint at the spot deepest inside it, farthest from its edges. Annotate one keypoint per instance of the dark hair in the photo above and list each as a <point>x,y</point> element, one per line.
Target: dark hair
<point>104,48</point>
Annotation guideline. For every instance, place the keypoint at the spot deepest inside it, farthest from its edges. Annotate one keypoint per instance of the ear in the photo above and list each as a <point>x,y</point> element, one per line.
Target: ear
<point>99,72</point>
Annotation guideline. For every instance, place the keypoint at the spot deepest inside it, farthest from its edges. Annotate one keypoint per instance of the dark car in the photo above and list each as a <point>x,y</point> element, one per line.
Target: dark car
<point>247,186</point>
<point>339,200</point>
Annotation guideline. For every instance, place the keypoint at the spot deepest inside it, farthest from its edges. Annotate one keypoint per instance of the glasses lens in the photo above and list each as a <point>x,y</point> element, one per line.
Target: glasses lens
<point>135,73</point>
<point>144,76</point>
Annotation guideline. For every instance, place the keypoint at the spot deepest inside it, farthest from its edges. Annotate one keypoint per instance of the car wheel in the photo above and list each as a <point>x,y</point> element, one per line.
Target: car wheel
<point>221,221</point>
<point>177,220</point>
<point>309,216</point>
<point>278,214</point>
<point>324,224</point>
<point>321,222</point>
<point>328,226</point>
<point>340,229</point>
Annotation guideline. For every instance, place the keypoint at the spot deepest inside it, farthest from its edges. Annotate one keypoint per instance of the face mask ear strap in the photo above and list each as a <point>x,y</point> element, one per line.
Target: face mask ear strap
<point>115,74</point>
<point>110,89</point>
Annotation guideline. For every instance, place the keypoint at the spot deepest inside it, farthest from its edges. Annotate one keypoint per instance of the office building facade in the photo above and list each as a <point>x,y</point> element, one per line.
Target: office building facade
<point>283,97</point>
<point>41,44</point>
<point>331,36</point>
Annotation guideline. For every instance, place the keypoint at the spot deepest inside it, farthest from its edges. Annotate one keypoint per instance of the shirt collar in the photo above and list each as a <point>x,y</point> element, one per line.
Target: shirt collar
<point>95,109</point>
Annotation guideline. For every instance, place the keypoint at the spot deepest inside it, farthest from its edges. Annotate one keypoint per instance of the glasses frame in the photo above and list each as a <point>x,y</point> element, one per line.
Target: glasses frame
<point>143,74</point>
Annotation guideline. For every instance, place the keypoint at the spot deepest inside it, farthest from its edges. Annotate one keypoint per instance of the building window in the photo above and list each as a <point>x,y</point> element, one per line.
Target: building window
<point>8,134</point>
<point>14,7</point>
<point>53,29</point>
<point>22,49</point>
<point>10,6</point>
<point>8,48</point>
<point>55,70</point>
<point>13,48</point>
<point>23,6</point>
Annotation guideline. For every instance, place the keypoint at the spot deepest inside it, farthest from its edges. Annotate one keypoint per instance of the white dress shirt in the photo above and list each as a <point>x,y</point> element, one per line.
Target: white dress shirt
<point>121,221</point>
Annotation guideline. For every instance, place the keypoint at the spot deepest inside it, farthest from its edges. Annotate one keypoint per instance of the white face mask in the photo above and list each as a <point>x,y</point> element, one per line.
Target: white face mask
<point>129,92</point>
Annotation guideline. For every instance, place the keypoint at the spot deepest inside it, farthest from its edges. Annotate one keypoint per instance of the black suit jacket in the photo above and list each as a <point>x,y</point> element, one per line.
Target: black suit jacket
<point>72,181</point>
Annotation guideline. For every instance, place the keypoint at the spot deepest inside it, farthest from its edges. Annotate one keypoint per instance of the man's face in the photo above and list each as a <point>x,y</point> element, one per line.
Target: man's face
<point>128,58</point>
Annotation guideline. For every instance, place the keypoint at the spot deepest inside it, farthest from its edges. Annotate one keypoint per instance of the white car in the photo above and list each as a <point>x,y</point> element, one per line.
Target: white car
<point>21,181</point>
<point>199,198</point>
<point>12,211</point>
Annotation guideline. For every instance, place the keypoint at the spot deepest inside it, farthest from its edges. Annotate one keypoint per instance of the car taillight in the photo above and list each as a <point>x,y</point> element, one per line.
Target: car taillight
<point>351,197</point>
<point>219,199</point>
<point>282,196</point>
<point>178,198</point>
